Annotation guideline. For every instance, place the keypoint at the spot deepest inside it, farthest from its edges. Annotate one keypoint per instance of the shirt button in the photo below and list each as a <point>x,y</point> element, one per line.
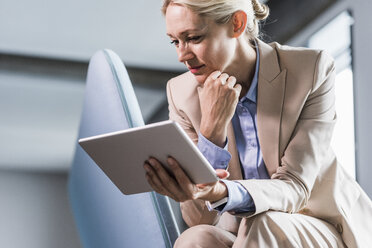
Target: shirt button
<point>252,143</point>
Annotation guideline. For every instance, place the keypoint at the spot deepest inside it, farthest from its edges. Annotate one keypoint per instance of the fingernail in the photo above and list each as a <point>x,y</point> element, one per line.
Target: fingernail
<point>170,161</point>
<point>150,162</point>
<point>216,75</point>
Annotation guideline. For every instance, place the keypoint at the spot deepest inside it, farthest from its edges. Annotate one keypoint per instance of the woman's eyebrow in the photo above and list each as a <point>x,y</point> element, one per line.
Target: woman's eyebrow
<point>187,31</point>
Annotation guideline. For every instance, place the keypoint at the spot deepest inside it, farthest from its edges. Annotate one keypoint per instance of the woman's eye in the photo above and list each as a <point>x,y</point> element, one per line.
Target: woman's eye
<point>174,42</point>
<point>194,38</point>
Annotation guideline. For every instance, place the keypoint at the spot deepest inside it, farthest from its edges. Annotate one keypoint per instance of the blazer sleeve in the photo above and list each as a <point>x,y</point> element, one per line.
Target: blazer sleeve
<point>290,186</point>
<point>194,212</point>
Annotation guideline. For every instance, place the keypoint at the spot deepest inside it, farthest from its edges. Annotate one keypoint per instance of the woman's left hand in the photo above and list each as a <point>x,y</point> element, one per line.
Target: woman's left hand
<point>180,188</point>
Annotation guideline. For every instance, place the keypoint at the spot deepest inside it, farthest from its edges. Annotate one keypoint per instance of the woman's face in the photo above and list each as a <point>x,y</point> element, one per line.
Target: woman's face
<point>201,44</point>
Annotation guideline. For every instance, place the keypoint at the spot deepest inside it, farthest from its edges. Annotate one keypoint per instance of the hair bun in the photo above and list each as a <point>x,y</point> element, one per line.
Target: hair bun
<point>261,11</point>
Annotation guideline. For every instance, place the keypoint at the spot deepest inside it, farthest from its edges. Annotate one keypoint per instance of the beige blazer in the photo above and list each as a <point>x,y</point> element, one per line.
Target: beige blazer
<point>295,120</point>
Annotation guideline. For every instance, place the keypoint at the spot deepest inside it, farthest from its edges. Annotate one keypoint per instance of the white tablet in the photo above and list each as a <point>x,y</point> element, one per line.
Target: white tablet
<point>121,155</point>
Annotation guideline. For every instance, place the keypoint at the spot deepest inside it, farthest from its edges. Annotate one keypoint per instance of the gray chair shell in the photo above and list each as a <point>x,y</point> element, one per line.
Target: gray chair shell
<point>103,215</point>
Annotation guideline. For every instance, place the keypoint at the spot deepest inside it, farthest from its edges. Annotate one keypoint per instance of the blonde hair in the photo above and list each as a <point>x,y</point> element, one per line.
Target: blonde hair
<point>221,11</point>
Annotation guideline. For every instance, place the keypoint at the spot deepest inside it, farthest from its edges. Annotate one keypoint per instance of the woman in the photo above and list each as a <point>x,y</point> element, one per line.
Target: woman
<point>263,116</point>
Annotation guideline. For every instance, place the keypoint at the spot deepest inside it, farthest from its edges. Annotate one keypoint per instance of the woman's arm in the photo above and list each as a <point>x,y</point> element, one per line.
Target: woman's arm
<point>218,100</point>
<point>194,212</point>
<point>290,187</point>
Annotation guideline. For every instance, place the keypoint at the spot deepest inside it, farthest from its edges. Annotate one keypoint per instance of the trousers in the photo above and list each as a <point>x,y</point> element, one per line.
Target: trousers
<point>269,229</point>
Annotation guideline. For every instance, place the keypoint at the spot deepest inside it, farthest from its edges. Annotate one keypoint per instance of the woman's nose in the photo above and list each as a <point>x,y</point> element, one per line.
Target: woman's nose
<point>184,53</point>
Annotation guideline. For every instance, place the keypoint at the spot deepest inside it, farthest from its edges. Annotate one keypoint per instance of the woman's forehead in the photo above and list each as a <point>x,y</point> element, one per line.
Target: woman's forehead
<point>181,20</point>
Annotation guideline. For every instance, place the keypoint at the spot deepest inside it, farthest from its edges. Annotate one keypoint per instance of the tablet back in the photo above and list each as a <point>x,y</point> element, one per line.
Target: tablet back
<point>104,216</point>
<point>121,155</point>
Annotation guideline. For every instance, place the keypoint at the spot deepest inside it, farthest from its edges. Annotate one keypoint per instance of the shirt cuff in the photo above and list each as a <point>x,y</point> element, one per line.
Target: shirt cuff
<point>218,157</point>
<point>239,199</point>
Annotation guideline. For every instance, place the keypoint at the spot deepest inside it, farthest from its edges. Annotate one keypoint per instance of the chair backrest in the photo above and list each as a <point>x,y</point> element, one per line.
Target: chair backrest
<point>103,215</point>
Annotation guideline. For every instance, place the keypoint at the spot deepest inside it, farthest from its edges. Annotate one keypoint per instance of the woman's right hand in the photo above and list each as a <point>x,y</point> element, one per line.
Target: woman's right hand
<point>218,100</point>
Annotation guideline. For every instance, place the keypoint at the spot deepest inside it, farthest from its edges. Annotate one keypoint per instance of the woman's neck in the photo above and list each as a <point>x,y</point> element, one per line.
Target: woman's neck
<point>243,67</point>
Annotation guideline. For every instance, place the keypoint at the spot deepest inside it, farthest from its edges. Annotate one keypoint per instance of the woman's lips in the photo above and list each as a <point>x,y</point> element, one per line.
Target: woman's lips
<point>195,69</point>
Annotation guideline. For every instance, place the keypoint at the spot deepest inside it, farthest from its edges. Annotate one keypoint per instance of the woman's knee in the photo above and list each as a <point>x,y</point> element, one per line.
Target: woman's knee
<point>270,218</point>
<point>279,229</point>
<point>201,236</point>
<point>269,228</point>
<point>193,236</point>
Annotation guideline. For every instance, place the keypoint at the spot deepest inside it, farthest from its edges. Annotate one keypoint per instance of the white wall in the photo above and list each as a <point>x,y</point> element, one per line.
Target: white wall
<point>76,29</point>
<point>40,116</point>
<point>34,211</point>
<point>39,120</point>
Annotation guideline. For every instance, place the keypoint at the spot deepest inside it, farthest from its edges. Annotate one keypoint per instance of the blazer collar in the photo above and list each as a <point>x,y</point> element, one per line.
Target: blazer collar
<point>270,97</point>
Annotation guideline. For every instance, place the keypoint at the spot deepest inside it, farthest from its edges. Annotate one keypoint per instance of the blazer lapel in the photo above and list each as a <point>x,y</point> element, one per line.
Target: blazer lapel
<point>234,165</point>
<point>270,96</point>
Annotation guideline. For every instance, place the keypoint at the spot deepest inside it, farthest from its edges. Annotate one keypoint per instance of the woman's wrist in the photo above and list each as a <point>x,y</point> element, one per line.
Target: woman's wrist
<point>220,191</point>
<point>216,135</point>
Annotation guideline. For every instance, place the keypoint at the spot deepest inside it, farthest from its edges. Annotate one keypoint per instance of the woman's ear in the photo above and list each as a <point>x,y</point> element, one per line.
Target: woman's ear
<point>239,21</point>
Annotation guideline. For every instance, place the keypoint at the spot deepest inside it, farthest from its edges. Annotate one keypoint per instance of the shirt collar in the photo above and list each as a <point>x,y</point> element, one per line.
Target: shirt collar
<point>252,92</point>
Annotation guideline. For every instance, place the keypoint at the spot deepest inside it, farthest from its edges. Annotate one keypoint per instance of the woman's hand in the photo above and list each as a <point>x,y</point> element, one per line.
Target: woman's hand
<point>180,188</point>
<point>218,101</point>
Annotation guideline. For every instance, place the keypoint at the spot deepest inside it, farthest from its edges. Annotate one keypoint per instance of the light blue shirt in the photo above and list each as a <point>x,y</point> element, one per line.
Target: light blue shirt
<point>245,129</point>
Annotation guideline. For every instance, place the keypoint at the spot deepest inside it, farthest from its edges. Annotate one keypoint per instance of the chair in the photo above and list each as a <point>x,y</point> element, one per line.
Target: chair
<point>103,215</point>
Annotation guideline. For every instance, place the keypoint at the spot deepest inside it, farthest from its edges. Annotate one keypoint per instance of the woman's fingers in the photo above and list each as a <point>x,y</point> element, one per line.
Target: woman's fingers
<point>212,77</point>
<point>222,79</point>
<point>192,191</point>
<point>238,89</point>
<point>183,180</point>
<point>181,188</point>
<point>167,182</point>
<point>222,174</point>
<point>154,180</point>
<point>231,81</point>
